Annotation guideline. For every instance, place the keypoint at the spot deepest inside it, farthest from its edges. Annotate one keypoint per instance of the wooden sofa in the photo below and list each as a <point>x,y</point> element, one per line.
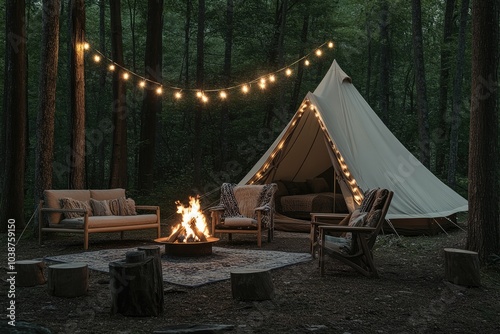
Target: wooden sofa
<point>55,216</point>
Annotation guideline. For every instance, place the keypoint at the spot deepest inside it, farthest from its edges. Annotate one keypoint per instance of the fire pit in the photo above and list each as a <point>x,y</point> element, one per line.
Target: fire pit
<point>191,236</point>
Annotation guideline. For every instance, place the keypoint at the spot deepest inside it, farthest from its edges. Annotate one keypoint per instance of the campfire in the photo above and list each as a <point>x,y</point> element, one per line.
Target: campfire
<point>191,236</point>
<point>193,227</point>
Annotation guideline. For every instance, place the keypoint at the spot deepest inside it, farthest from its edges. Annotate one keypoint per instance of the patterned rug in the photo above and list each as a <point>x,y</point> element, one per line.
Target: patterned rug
<point>194,271</point>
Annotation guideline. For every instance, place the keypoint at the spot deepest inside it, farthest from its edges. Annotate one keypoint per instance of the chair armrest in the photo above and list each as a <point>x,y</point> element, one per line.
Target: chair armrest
<point>217,208</point>
<point>353,229</point>
<point>147,207</point>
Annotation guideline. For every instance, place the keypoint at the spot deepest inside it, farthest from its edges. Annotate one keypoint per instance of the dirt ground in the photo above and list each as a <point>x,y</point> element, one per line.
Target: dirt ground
<point>409,297</point>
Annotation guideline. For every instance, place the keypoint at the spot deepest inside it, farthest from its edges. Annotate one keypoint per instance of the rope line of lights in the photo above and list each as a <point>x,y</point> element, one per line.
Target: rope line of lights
<point>261,81</point>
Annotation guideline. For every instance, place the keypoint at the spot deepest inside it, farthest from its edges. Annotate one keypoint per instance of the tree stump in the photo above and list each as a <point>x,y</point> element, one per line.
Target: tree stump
<point>462,267</point>
<point>154,251</point>
<point>68,279</point>
<point>252,284</point>
<point>30,273</point>
<point>136,286</point>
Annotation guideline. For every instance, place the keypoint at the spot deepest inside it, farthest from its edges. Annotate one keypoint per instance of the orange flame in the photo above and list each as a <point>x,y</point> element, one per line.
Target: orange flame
<point>190,213</point>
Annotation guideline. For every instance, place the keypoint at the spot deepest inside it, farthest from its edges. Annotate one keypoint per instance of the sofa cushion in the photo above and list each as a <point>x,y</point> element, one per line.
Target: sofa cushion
<point>122,207</point>
<point>70,203</point>
<point>52,200</point>
<point>100,208</point>
<point>103,194</point>
<point>110,221</point>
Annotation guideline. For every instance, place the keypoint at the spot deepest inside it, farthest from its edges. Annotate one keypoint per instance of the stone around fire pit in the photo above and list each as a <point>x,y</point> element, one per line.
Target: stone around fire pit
<point>188,249</point>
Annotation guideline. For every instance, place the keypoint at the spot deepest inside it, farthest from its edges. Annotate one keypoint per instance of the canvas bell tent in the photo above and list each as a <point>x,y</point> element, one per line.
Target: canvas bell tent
<point>336,131</point>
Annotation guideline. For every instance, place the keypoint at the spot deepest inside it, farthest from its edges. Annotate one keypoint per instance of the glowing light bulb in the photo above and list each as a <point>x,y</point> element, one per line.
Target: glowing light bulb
<point>86,46</point>
<point>306,62</point>
<point>245,89</point>
<point>199,93</point>
<point>262,85</point>
<point>223,95</point>
<point>178,95</point>
<point>112,67</point>
<point>331,45</point>
<point>97,58</point>
<point>126,76</point>
<point>159,90</point>
<point>319,52</point>
<point>204,98</point>
<point>288,72</point>
<point>272,78</point>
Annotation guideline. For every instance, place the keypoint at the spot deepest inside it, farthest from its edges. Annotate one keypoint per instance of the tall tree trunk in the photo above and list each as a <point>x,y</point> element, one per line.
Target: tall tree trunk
<point>418,59</point>
<point>483,221</point>
<point>225,124</point>
<point>200,78</point>
<point>275,58</point>
<point>101,152</point>
<point>294,101</point>
<point>118,173</point>
<point>77,88</point>
<point>457,95</point>
<point>151,105</point>
<point>187,38</point>
<point>12,197</point>
<point>444,77</point>
<point>384,61</point>
<point>44,155</point>
<point>132,5</point>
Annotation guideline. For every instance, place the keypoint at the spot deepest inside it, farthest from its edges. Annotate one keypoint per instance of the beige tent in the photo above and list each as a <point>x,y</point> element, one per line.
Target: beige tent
<point>335,126</point>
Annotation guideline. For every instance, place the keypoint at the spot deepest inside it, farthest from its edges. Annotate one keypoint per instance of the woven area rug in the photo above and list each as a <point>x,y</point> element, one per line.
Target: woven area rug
<point>194,271</point>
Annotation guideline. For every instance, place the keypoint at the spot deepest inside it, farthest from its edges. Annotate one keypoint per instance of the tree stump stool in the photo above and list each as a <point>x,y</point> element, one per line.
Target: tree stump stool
<point>462,267</point>
<point>136,285</point>
<point>252,284</point>
<point>154,251</point>
<point>30,273</point>
<point>68,279</point>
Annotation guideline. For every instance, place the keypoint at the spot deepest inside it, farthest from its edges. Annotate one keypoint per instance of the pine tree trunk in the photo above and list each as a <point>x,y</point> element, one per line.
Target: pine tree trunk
<point>441,134</point>
<point>457,96</point>
<point>418,58</point>
<point>483,221</point>
<point>384,62</point>
<point>48,81</point>
<point>77,88</point>
<point>152,100</point>
<point>200,73</point>
<point>119,158</point>
<point>294,101</point>
<point>12,196</point>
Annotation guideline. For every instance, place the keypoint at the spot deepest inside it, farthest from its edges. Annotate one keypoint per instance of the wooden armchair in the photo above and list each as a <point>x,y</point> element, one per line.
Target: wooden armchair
<point>247,209</point>
<point>353,243</point>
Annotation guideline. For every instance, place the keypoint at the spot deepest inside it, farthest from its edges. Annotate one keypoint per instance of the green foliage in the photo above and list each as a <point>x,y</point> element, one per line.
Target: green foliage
<point>352,25</point>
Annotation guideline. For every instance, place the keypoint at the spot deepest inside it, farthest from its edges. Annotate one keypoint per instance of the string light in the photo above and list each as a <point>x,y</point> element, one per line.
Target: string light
<point>262,81</point>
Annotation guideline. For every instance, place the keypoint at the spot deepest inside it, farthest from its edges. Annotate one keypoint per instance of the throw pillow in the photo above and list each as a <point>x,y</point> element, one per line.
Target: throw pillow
<point>372,218</point>
<point>368,199</point>
<point>100,208</point>
<point>131,207</point>
<point>380,199</point>
<point>118,206</point>
<point>69,203</point>
<point>318,185</point>
<point>357,219</point>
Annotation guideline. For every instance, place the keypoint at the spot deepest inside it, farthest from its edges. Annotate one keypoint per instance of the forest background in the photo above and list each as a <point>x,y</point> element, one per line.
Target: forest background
<point>220,44</point>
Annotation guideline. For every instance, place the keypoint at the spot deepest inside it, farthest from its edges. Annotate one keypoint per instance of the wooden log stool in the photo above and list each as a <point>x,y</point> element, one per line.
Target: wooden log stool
<point>136,285</point>
<point>154,251</point>
<point>68,279</point>
<point>252,284</point>
<point>462,267</point>
<point>30,273</point>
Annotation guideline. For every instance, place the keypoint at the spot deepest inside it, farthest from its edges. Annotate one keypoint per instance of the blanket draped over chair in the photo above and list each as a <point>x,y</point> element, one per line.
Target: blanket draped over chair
<point>244,209</point>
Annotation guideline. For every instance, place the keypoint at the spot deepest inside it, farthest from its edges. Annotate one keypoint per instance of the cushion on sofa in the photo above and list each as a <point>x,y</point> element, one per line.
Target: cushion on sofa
<point>100,208</point>
<point>52,200</point>
<point>110,221</point>
<point>122,207</point>
<point>70,203</point>
<point>102,194</point>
